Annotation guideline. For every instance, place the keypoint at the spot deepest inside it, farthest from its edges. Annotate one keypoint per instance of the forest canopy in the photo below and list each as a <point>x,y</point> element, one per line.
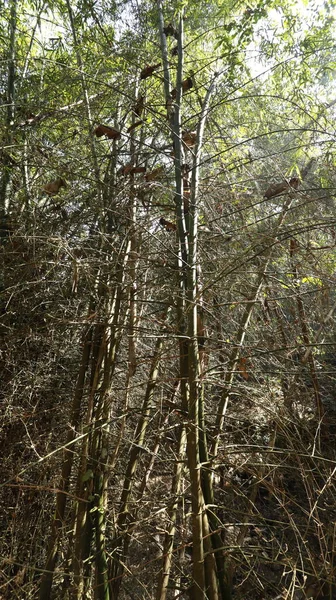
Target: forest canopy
<point>167,291</point>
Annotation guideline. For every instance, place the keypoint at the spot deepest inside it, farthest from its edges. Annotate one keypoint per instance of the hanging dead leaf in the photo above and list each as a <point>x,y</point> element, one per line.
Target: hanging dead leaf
<point>189,138</point>
<point>276,189</point>
<point>293,246</point>
<point>155,174</point>
<point>242,367</point>
<point>187,84</point>
<point>54,187</point>
<point>134,126</point>
<point>168,225</point>
<point>149,70</point>
<point>130,170</point>
<point>125,169</point>
<point>111,132</point>
<point>279,188</point>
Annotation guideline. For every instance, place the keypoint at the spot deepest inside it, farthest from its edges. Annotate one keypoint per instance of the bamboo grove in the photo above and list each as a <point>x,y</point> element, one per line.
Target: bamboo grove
<point>167,221</point>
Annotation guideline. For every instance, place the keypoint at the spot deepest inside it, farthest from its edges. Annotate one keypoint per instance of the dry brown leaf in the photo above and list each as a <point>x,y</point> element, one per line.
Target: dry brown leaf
<point>130,170</point>
<point>189,138</point>
<point>138,170</point>
<point>54,187</point>
<point>111,132</point>
<point>242,367</point>
<point>293,246</point>
<point>168,225</point>
<point>187,84</point>
<point>155,174</point>
<point>125,169</point>
<point>278,188</point>
<point>149,70</point>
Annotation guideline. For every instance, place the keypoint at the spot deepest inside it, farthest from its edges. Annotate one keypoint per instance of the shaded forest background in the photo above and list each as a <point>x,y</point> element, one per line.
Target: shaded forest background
<point>168,234</point>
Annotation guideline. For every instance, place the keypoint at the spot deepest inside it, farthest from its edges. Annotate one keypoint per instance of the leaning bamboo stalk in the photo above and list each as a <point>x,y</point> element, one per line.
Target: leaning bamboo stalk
<point>223,567</point>
<point>95,445</point>
<point>64,484</point>
<point>99,457</point>
<point>7,165</point>
<point>144,482</point>
<point>86,98</point>
<point>25,152</point>
<point>168,546</point>
<point>176,131</point>
<point>197,443</point>
<point>47,578</point>
<point>306,335</point>
<point>102,586</point>
<point>190,368</point>
<point>99,448</point>
<point>117,564</point>
<point>155,450</point>
<point>83,529</point>
<point>243,328</point>
<point>133,259</point>
<point>187,265</point>
<point>250,507</point>
<point>164,51</point>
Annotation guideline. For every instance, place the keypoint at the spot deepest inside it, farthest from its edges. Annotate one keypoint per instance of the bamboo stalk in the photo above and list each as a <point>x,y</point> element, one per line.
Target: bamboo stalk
<point>7,167</point>
<point>168,546</point>
<point>306,339</point>
<point>117,563</point>
<point>63,486</point>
